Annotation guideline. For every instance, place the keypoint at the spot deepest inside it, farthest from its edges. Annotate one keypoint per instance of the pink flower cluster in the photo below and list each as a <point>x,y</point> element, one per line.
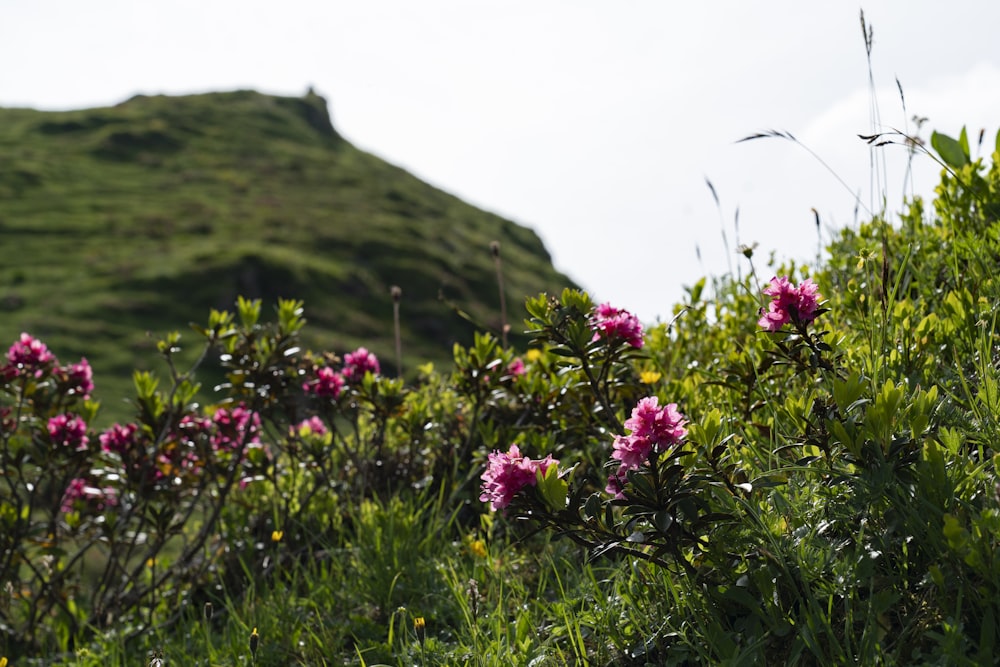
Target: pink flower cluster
<point>508,473</point>
<point>68,430</point>
<point>29,353</point>
<point>30,356</point>
<point>118,439</point>
<point>81,489</point>
<point>616,324</point>
<point>235,428</point>
<point>653,429</point>
<point>359,362</point>
<point>789,303</point>
<point>79,378</point>
<point>329,383</point>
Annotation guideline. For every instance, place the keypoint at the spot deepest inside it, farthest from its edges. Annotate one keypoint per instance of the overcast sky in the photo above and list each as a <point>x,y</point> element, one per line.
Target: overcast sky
<point>594,123</point>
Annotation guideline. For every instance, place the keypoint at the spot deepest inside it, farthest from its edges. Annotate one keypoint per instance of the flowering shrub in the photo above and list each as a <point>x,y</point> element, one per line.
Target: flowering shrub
<point>133,490</point>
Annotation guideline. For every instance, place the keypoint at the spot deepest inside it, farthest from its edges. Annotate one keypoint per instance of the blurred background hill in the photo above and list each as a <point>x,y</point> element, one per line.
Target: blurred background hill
<point>121,224</point>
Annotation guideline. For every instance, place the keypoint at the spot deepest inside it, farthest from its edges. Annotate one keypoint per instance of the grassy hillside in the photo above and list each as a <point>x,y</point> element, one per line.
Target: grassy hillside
<point>141,217</point>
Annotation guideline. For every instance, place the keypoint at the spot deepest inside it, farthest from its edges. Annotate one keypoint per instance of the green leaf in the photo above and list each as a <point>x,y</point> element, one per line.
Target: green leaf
<point>950,150</point>
<point>553,488</point>
<point>955,533</point>
<point>249,310</point>
<point>849,390</point>
<point>663,521</point>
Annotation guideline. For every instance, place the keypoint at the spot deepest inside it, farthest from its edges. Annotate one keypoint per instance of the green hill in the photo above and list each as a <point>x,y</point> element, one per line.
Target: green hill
<point>141,217</point>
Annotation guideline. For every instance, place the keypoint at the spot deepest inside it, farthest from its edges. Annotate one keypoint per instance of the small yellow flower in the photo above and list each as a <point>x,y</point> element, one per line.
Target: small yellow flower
<point>650,377</point>
<point>3,661</point>
<point>534,354</point>
<point>420,627</point>
<point>477,548</point>
<point>277,535</point>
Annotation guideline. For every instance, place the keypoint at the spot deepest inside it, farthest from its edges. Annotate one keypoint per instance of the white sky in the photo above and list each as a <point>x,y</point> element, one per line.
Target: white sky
<point>594,123</point>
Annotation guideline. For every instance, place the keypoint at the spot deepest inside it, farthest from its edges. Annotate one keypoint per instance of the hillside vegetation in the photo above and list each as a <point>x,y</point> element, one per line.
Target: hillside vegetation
<point>143,216</point>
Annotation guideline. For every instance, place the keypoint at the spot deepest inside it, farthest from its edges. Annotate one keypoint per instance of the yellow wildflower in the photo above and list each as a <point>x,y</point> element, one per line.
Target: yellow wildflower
<point>650,377</point>
<point>477,548</point>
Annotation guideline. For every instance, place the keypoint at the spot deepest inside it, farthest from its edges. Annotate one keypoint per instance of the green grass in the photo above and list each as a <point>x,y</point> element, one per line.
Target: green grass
<point>140,217</point>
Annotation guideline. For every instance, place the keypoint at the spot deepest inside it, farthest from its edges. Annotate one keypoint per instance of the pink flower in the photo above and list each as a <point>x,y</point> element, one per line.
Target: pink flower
<point>664,426</point>
<point>81,489</point>
<point>235,428</point>
<point>508,473</point>
<point>29,353</point>
<point>515,367</point>
<point>74,491</point>
<point>616,484</point>
<point>809,297</point>
<point>652,428</point>
<point>68,430</point>
<point>192,426</point>
<point>79,378</point>
<point>789,303</point>
<point>119,439</point>
<point>359,362</point>
<point>327,383</point>
<point>616,324</point>
<point>631,450</point>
